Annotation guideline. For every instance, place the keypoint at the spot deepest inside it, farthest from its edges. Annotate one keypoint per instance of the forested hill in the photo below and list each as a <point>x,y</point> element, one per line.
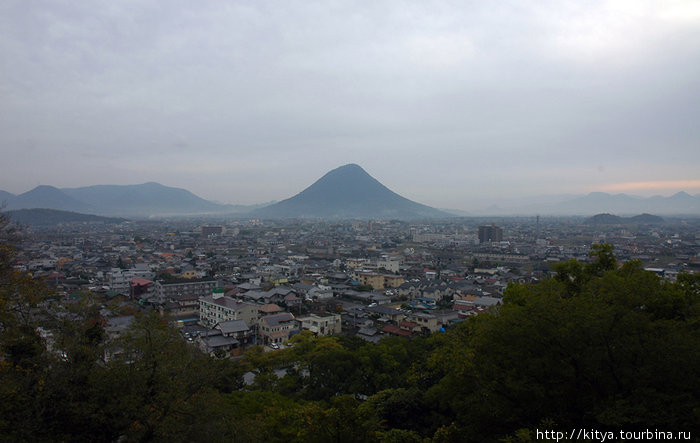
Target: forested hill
<point>598,347</point>
<point>609,219</point>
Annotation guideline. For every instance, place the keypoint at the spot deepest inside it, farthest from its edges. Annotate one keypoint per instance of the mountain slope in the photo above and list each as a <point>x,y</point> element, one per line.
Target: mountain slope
<point>47,197</point>
<point>348,192</point>
<point>609,219</point>
<point>5,197</point>
<point>145,199</point>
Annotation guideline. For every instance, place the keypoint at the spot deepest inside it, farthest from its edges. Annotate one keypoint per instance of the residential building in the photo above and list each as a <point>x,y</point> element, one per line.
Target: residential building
<point>237,329</point>
<point>217,308</point>
<point>323,323</point>
<point>182,295</point>
<point>427,322</point>
<point>390,264</point>
<point>388,314</point>
<point>213,342</point>
<point>276,328</point>
<point>379,281</point>
<point>120,279</point>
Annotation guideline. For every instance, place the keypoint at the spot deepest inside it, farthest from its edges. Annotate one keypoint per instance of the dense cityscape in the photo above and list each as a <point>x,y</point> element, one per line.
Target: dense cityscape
<point>229,285</point>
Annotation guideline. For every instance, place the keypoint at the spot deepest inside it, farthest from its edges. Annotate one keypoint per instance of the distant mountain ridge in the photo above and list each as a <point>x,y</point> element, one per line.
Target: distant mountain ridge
<point>117,200</point>
<point>680,203</point>
<point>348,192</point>
<point>48,197</point>
<point>609,219</point>
<point>148,198</point>
<point>345,192</point>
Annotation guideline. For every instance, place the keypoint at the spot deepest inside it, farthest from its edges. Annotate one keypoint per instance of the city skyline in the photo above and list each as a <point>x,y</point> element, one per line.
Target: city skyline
<point>445,104</point>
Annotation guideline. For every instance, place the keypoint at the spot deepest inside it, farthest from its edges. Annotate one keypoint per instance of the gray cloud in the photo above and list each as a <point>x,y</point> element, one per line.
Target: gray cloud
<point>247,102</point>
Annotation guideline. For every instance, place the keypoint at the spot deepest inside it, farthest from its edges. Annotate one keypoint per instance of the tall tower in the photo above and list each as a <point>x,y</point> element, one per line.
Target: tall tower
<point>490,234</point>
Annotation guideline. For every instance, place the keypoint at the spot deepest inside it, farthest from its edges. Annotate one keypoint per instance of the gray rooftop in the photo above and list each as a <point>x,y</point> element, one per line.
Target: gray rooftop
<point>383,310</point>
<point>218,341</point>
<point>233,326</point>
<point>227,302</point>
<point>275,320</point>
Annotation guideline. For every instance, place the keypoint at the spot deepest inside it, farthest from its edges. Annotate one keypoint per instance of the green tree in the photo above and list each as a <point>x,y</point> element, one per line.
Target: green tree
<point>165,382</point>
<point>605,352</point>
<point>23,355</point>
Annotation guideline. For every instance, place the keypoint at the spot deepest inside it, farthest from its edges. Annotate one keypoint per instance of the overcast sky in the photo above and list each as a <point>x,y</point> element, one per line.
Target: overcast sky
<point>445,102</point>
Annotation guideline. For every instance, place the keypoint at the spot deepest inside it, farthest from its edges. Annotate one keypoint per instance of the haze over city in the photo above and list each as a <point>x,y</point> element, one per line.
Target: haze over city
<point>445,103</point>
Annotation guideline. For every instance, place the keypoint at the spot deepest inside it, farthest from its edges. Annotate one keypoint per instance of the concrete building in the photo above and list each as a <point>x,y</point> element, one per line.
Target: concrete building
<point>488,234</point>
<point>323,323</point>
<point>119,280</point>
<point>379,281</point>
<point>391,264</point>
<point>179,288</point>
<point>276,328</point>
<point>181,296</point>
<point>217,308</point>
<point>427,322</point>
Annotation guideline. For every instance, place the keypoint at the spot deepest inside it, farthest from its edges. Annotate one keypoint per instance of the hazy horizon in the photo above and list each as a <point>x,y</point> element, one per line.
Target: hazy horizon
<point>504,203</point>
<point>449,105</point>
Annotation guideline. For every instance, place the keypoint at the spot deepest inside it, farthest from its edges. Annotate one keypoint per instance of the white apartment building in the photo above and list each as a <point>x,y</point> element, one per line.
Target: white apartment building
<point>119,280</point>
<point>217,308</point>
<point>323,323</point>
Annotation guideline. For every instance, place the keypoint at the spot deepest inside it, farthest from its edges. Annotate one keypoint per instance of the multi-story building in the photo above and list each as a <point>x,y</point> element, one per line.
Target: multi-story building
<point>181,296</point>
<point>390,264</point>
<point>379,281</point>
<point>323,323</point>
<point>357,263</point>
<point>120,279</point>
<point>276,328</point>
<point>427,322</point>
<point>490,234</point>
<point>217,308</point>
<point>177,288</point>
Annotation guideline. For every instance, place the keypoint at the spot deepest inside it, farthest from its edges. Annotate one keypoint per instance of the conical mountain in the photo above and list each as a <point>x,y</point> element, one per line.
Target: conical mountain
<point>348,192</point>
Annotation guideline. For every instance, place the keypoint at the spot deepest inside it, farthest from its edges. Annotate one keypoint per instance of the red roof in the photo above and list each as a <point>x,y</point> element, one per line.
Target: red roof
<point>270,307</point>
<point>391,329</point>
<point>408,324</point>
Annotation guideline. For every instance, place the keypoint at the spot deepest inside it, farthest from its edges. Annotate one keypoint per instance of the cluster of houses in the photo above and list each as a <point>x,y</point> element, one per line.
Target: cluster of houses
<point>230,323</point>
<point>226,318</point>
<point>263,283</point>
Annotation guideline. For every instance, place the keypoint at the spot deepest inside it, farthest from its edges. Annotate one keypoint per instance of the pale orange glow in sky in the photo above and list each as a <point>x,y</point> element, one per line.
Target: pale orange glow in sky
<point>690,186</point>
